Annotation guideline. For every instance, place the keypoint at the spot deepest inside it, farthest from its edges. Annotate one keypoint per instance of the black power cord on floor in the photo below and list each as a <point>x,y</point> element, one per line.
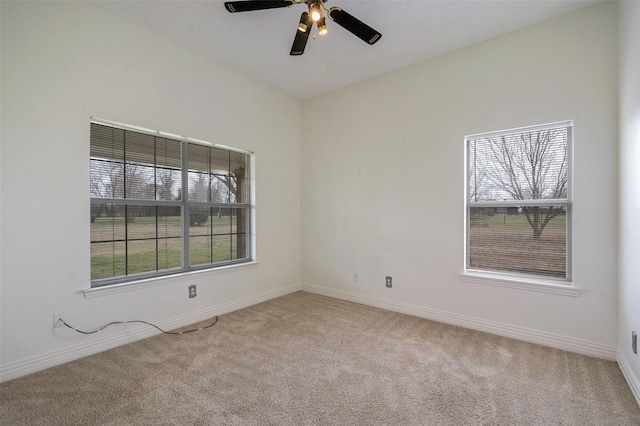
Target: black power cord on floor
<point>142,322</point>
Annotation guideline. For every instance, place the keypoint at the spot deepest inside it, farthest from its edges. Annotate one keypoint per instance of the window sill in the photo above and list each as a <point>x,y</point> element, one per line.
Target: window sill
<point>172,279</point>
<point>512,281</point>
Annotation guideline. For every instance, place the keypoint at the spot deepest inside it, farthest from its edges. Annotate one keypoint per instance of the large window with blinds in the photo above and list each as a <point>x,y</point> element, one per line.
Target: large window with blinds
<point>162,205</point>
<point>518,202</point>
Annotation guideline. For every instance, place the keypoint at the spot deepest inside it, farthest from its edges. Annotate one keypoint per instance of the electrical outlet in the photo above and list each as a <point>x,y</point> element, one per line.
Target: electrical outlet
<point>356,278</point>
<point>58,320</point>
<point>388,281</point>
<point>634,342</point>
<point>192,291</point>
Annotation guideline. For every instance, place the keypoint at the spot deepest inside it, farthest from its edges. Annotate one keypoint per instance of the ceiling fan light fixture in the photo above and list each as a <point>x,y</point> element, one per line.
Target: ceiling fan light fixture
<point>322,26</point>
<point>315,11</point>
<point>304,24</point>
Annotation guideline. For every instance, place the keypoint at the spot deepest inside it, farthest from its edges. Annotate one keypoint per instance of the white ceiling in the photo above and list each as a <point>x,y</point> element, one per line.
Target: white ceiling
<point>258,43</point>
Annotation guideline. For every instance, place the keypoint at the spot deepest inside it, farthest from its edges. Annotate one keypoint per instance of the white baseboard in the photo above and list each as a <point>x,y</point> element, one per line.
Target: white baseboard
<point>632,380</point>
<point>40,362</point>
<point>528,335</point>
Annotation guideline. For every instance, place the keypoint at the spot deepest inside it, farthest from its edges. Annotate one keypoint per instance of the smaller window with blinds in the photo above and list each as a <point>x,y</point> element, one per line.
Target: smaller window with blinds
<point>518,202</point>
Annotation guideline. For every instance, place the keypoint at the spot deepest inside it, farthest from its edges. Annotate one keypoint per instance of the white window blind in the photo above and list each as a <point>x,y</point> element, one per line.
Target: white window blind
<point>518,201</point>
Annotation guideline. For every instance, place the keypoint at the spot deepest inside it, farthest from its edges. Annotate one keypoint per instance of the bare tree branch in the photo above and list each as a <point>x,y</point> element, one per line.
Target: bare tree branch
<point>525,166</point>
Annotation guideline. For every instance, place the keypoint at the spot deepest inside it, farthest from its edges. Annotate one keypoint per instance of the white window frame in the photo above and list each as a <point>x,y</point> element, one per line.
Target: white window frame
<point>137,280</point>
<point>515,280</point>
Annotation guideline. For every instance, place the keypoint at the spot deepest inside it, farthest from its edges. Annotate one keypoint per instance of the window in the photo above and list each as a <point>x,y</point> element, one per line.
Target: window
<point>162,205</point>
<point>518,201</point>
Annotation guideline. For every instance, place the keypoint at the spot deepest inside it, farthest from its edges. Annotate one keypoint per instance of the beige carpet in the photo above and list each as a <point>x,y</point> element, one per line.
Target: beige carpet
<point>305,359</point>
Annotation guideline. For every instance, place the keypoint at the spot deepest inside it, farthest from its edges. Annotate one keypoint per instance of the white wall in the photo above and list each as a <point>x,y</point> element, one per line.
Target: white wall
<point>629,277</point>
<point>64,62</point>
<point>383,179</point>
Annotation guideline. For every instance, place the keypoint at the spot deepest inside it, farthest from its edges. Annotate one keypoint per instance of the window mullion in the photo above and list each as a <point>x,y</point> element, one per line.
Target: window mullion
<point>126,239</point>
<point>185,205</point>
<point>210,199</point>
<point>124,165</point>
<point>155,197</point>
<point>520,203</point>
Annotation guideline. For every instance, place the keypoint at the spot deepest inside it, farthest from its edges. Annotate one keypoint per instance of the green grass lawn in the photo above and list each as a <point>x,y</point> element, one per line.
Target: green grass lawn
<point>156,245</point>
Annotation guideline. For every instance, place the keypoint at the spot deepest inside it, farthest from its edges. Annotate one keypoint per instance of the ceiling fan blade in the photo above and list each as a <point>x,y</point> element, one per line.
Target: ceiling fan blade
<point>354,25</point>
<point>300,40</point>
<point>249,5</point>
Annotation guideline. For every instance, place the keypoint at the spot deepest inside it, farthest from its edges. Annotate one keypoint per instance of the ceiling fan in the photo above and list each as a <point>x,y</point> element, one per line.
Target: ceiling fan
<point>314,15</point>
